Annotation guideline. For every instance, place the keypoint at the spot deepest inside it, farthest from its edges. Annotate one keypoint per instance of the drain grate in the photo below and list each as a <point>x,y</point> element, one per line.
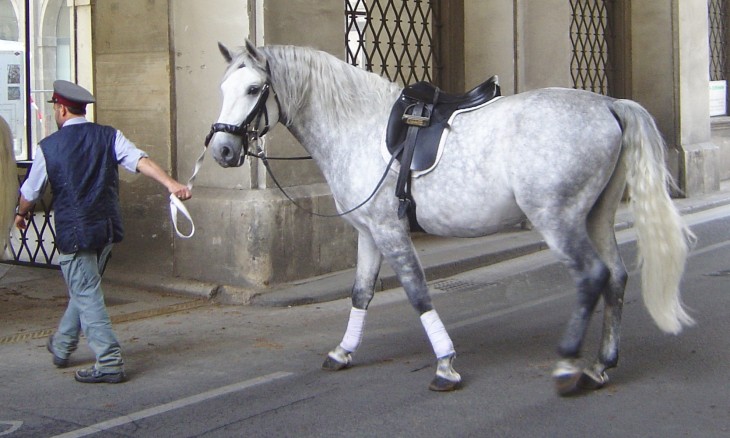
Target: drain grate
<point>460,285</point>
<point>724,273</point>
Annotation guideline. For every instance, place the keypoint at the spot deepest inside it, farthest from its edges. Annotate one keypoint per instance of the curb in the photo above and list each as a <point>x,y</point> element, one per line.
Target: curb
<point>440,258</point>
<point>482,252</point>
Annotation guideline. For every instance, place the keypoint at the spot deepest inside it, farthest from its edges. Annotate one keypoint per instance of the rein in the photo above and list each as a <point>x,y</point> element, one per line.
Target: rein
<point>264,159</point>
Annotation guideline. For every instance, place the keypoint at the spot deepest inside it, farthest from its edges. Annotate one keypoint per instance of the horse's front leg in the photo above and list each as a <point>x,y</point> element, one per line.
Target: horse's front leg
<point>401,255</point>
<point>368,267</point>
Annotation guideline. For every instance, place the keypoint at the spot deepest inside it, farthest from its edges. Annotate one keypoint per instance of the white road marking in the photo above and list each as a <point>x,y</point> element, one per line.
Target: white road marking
<point>14,425</point>
<point>167,407</point>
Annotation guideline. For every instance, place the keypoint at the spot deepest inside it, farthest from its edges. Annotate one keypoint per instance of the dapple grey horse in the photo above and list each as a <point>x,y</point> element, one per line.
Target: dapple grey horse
<point>558,157</point>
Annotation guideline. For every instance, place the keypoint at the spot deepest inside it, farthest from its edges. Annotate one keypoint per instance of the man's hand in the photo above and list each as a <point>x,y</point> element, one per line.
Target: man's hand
<point>180,191</point>
<point>23,206</point>
<point>20,222</point>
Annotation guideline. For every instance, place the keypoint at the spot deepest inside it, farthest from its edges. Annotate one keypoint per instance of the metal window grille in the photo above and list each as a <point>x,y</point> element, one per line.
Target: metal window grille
<point>36,245</point>
<point>718,37</point>
<point>391,37</point>
<point>590,34</point>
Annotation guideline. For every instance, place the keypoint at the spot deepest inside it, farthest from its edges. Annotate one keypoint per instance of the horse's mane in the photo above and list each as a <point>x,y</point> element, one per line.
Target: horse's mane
<point>302,74</point>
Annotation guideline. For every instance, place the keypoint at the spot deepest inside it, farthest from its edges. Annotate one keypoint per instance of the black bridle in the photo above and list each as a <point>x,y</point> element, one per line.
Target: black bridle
<point>245,129</point>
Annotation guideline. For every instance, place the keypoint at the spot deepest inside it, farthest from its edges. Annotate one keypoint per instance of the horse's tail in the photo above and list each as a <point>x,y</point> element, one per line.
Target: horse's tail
<point>663,237</point>
<point>9,181</point>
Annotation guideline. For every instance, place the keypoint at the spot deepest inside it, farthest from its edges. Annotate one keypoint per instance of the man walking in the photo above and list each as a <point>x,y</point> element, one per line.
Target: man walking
<point>80,161</point>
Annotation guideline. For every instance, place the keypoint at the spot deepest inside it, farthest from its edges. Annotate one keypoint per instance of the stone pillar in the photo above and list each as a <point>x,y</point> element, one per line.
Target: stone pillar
<point>542,44</point>
<point>699,172</point>
<point>525,42</point>
<point>670,77</point>
<point>492,51</point>
<point>82,51</point>
<point>132,87</point>
<point>247,233</point>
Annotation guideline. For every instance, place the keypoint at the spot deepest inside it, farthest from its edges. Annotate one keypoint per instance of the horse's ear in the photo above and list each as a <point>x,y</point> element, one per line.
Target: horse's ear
<point>255,54</point>
<point>225,52</point>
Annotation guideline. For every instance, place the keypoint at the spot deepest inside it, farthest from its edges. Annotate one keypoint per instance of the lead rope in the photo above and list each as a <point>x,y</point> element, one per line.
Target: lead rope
<point>177,205</point>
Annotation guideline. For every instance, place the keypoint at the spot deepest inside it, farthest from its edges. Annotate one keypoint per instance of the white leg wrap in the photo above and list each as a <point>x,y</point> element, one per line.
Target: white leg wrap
<point>353,335</point>
<point>437,334</point>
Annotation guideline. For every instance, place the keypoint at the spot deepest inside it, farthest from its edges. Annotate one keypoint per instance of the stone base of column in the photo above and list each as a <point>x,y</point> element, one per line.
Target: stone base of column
<point>699,169</point>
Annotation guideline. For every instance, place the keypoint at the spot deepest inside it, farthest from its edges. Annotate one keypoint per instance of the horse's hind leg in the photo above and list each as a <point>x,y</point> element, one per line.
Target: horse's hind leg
<point>602,273</point>
<point>591,276</point>
<point>602,233</point>
<point>368,267</point>
<point>595,376</point>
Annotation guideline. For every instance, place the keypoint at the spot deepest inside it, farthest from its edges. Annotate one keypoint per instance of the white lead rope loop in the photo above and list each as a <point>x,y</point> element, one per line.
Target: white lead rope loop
<point>177,205</point>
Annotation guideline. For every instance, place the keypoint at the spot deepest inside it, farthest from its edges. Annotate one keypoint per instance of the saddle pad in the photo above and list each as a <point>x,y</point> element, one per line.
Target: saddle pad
<point>395,167</point>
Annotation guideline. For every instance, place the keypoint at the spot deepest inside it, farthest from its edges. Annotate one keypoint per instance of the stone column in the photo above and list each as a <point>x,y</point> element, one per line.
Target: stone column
<point>82,51</point>
<point>489,43</point>
<point>699,171</point>
<point>247,234</point>
<point>132,67</point>
<point>670,76</point>
<point>542,44</point>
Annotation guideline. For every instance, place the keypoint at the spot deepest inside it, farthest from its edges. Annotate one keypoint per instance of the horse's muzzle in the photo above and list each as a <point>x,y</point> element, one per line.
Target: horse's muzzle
<point>228,152</point>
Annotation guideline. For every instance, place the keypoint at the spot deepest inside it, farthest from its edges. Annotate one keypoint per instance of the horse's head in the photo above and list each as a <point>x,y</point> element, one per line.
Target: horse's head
<point>249,109</point>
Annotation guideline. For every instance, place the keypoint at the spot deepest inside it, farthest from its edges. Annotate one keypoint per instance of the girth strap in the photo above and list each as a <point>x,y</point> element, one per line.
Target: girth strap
<point>421,113</point>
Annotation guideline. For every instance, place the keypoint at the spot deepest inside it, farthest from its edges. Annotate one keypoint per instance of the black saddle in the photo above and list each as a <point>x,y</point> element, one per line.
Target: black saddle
<point>416,124</point>
<point>434,117</point>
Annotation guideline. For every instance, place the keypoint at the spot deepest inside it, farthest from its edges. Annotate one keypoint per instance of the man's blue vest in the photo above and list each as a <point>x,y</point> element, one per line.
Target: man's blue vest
<point>82,169</point>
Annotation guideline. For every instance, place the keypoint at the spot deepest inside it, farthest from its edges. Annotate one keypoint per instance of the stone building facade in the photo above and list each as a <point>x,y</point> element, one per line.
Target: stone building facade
<point>155,68</point>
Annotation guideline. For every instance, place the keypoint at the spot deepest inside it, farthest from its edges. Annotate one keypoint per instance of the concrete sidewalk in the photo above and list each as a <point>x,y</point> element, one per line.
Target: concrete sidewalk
<point>33,299</point>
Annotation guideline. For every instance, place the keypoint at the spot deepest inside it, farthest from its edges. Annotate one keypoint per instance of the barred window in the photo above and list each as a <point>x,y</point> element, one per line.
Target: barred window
<point>590,35</point>
<point>717,20</point>
<point>391,38</point>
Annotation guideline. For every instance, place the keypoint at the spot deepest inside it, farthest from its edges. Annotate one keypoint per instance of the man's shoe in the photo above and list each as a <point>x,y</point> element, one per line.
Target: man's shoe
<point>92,375</point>
<point>59,362</point>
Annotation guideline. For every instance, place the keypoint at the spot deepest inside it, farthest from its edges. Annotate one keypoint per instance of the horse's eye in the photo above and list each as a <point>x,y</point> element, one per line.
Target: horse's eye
<point>253,90</point>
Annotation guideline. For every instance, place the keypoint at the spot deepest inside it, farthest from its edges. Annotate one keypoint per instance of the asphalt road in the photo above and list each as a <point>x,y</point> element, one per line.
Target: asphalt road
<point>223,371</point>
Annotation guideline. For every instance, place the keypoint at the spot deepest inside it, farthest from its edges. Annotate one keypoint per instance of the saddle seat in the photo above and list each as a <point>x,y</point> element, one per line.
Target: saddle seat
<point>482,93</point>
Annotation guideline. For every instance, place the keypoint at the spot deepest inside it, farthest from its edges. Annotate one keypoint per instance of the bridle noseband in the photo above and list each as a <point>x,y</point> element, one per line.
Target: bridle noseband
<point>244,130</point>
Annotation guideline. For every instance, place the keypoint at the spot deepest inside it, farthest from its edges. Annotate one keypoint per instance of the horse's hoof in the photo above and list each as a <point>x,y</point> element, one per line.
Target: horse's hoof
<point>440,384</point>
<point>591,380</point>
<point>332,364</point>
<point>566,377</point>
<point>567,384</point>
<point>447,379</point>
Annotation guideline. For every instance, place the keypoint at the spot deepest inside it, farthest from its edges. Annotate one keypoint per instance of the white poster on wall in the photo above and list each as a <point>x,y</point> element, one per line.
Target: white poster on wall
<point>718,95</point>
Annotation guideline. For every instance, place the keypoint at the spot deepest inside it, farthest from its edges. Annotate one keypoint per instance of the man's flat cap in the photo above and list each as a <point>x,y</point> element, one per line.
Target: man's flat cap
<point>69,94</point>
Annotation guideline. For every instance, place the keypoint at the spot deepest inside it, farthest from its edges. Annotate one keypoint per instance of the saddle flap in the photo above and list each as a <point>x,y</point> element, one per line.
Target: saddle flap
<point>433,122</point>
